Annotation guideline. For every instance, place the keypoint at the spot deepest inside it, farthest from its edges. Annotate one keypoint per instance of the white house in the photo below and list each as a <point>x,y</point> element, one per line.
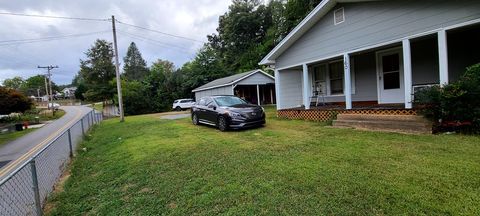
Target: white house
<point>357,52</point>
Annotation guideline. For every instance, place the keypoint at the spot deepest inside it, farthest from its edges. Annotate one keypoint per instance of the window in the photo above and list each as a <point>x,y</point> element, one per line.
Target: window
<point>319,80</point>
<point>328,78</point>
<point>336,77</point>
<point>208,101</point>
<point>338,16</point>
<point>391,71</point>
<point>202,101</point>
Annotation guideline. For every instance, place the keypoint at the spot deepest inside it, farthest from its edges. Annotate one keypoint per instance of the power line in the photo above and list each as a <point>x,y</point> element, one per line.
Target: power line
<point>34,40</point>
<point>53,17</point>
<point>164,33</point>
<point>146,38</point>
<point>157,43</point>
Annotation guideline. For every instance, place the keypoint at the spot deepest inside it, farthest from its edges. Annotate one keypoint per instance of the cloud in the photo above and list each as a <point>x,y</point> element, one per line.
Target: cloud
<point>189,18</point>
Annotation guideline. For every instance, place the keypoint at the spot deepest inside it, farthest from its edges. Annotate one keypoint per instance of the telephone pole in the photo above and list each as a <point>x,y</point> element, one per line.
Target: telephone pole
<point>117,71</point>
<point>50,94</point>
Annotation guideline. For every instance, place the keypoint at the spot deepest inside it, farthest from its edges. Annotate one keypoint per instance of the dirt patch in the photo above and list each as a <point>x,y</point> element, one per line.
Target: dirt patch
<point>172,205</point>
<point>58,188</point>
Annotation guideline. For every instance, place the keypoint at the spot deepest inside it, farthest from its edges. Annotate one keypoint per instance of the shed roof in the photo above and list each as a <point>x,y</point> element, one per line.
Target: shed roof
<point>230,80</point>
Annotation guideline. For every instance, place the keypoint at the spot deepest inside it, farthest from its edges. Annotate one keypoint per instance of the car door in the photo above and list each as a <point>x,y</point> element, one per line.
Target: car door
<point>210,111</point>
<point>200,109</point>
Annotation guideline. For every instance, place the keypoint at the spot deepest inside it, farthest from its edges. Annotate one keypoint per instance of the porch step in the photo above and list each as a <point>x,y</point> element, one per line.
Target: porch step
<point>391,123</point>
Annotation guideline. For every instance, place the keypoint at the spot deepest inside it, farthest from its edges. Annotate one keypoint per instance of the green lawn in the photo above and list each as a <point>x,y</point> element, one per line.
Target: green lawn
<point>148,166</point>
<point>7,137</point>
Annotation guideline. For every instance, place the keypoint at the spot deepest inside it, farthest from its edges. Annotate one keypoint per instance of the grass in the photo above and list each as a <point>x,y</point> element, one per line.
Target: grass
<point>148,166</point>
<point>7,137</point>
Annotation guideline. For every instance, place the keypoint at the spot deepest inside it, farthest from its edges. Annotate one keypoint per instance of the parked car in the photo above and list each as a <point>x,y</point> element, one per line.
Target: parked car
<point>183,104</point>
<point>53,106</point>
<point>227,112</point>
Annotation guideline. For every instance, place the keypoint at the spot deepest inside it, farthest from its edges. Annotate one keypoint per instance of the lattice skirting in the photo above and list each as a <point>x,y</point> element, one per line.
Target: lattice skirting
<point>328,115</point>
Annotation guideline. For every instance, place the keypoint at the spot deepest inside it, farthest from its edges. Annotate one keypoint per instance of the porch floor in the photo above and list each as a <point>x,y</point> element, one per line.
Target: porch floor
<point>330,106</point>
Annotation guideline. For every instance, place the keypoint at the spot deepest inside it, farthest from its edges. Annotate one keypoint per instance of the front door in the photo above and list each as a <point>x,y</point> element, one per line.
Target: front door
<point>390,76</point>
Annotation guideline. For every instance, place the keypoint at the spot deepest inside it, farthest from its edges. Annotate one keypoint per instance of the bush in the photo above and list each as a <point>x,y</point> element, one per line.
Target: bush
<point>455,106</point>
<point>13,101</point>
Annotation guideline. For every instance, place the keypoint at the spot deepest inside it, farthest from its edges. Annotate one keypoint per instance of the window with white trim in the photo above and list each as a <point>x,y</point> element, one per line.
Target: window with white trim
<point>328,78</point>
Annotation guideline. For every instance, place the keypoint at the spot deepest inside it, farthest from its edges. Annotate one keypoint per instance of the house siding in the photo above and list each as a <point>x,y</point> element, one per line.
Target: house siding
<point>370,23</point>
<point>256,79</point>
<point>226,90</point>
<point>290,82</point>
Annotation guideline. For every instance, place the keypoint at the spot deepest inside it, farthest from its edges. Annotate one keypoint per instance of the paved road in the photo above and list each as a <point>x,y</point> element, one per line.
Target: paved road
<point>175,116</point>
<point>23,147</point>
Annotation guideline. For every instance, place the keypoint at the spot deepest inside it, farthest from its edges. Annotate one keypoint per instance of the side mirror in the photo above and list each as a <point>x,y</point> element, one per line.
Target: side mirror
<point>212,107</point>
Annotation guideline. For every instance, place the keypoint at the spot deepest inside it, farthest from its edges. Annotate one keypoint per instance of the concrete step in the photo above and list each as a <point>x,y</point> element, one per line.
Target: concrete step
<point>369,117</point>
<point>411,127</point>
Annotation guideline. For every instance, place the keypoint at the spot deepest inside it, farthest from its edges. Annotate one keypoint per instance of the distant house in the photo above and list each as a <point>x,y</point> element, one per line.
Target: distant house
<point>69,92</point>
<point>254,86</point>
<point>357,52</point>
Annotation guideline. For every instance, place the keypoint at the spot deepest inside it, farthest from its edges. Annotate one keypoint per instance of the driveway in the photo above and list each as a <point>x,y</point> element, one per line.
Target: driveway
<point>25,146</point>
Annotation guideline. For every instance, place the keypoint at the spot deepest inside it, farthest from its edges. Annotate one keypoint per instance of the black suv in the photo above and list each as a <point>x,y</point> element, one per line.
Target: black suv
<point>226,111</point>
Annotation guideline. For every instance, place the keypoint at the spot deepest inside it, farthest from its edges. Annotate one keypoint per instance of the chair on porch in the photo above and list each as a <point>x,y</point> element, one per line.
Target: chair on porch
<point>318,94</point>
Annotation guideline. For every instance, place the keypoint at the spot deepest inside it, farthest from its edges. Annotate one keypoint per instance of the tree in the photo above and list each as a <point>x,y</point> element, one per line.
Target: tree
<point>13,101</point>
<point>14,83</point>
<point>97,71</point>
<point>36,84</point>
<point>135,67</point>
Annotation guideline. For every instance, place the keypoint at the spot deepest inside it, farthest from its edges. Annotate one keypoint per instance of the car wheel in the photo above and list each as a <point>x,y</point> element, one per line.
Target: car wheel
<point>222,124</point>
<point>178,108</point>
<point>195,119</point>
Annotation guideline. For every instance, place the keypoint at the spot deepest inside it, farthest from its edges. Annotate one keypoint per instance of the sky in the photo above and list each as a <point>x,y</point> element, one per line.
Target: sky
<point>192,19</point>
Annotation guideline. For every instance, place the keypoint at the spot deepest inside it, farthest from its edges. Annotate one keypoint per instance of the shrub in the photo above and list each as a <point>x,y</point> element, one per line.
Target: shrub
<point>455,106</point>
<point>13,101</point>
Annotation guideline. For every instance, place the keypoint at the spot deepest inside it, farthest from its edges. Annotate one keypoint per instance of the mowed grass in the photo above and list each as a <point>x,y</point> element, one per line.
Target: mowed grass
<point>148,166</point>
<point>7,137</point>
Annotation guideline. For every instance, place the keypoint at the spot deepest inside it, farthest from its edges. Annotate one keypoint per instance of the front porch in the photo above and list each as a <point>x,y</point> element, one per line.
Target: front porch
<point>379,79</point>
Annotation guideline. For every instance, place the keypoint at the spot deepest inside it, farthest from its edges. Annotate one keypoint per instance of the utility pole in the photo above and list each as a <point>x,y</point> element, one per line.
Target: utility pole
<point>50,94</point>
<point>46,92</point>
<point>117,71</point>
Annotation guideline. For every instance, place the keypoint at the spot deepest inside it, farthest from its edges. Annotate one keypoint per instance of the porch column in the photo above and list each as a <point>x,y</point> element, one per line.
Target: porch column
<point>443,57</point>
<point>306,86</point>
<point>271,95</point>
<point>258,95</point>
<point>277,89</point>
<point>407,73</point>
<point>347,85</point>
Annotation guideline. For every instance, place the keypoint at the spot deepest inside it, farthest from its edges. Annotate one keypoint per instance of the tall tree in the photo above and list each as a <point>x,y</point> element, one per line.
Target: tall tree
<point>97,71</point>
<point>14,83</point>
<point>135,67</point>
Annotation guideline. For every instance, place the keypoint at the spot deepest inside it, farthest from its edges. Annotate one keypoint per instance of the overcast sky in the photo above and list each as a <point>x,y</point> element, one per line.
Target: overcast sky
<point>193,19</point>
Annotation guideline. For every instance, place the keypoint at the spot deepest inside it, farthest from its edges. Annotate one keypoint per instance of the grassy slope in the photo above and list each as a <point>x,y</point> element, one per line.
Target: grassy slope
<point>149,166</point>
<point>7,137</point>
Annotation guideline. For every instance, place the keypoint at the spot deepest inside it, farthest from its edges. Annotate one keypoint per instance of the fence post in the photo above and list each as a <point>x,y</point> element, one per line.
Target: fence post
<point>83,131</point>
<point>36,190</point>
<point>70,142</point>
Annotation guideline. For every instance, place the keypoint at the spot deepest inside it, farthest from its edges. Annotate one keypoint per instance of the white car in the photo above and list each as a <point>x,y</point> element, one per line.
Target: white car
<point>183,104</point>
<point>54,106</point>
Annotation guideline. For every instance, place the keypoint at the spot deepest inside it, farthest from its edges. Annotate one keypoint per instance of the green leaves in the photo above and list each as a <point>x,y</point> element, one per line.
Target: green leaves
<point>97,71</point>
<point>135,67</point>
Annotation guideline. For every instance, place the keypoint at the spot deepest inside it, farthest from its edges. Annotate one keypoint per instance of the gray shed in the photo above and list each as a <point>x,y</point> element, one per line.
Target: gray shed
<point>255,86</point>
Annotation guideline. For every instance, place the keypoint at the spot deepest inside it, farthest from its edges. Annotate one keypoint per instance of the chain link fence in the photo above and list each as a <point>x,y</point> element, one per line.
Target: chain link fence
<point>24,191</point>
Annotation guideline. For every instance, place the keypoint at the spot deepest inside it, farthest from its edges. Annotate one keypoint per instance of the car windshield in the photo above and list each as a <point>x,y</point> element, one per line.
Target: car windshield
<point>228,101</point>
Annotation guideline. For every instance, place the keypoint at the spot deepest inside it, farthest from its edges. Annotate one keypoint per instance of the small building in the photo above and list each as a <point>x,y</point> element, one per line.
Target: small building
<point>69,92</point>
<point>255,86</point>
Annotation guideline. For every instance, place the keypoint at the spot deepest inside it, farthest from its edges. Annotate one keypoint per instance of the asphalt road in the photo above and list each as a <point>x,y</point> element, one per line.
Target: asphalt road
<point>22,148</point>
